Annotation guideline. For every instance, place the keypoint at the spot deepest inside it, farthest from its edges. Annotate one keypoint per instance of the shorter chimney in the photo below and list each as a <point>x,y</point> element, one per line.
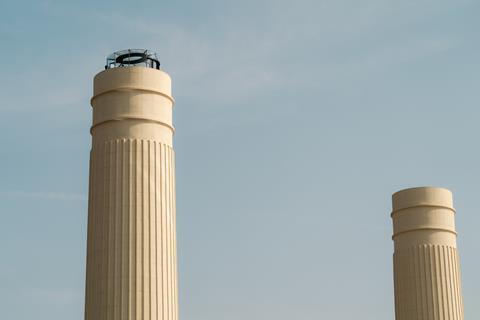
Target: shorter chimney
<point>425,261</point>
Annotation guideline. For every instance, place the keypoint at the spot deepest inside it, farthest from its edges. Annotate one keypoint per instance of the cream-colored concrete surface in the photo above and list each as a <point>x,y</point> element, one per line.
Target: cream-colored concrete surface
<point>131,250</point>
<point>426,263</point>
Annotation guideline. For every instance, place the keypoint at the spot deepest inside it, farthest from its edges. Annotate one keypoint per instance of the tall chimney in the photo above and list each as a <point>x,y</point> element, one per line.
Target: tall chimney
<point>426,263</point>
<point>131,249</point>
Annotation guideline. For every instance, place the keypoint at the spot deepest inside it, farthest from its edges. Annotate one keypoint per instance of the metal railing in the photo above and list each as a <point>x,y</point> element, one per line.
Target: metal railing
<point>133,58</point>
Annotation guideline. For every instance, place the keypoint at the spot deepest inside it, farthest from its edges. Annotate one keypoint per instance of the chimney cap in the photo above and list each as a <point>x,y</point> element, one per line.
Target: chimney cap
<point>422,196</point>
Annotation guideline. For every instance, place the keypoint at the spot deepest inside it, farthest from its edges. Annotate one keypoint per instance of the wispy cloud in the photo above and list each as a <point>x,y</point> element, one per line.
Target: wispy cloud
<point>283,46</point>
<point>44,195</point>
<point>53,296</point>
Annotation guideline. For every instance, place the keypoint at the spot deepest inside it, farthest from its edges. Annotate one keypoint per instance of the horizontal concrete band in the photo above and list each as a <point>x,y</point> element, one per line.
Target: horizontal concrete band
<point>132,88</point>
<point>132,118</point>
<point>422,205</point>
<point>424,229</point>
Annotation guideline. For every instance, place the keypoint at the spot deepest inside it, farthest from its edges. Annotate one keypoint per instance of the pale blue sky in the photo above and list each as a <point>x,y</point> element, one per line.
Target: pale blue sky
<point>296,121</point>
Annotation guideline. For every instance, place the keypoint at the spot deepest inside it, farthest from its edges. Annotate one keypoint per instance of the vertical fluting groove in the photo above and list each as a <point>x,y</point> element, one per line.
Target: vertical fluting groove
<point>124,232</point>
<point>441,301</point>
<point>417,287</point>
<point>454,286</point>
<point>85,310</point>
<point>108,250</point>
<point>171,231</point>
<point>129,234</point>
<point>117,236</point>
<point>142,214</point>
<point>174,213</point>
<point>174,306</point>
<point>146,235</point>
<point>399,286</point>
<point>142,233</point>
<point>450,277</point>
<point>459,283</point>
<point>446,287</point>
<point>440,283</point>
<point>111,235</point>
<point>105,221</point>
<point>106,236</point>
<point>113,248</point>
<point>90,231</point>
<point>153,234</point>
<point>396,285</point>
<point>427,283</point>
<point>163,236</point>
<point>137,231</point>
<point>94,225</point>
<point>149,238</point>
<point>174,235</point>
<point>150,255</point>
<point>444,282</point>
<point>420,282</point>
<point>132,230</point>
<point>155,159</point>
<point>169,225</point>
<point>454,283</point>
<point>138,270</point>
<point>97,230</point>
<point>454,290</point>
<point>402,284</point>
<point>103,276</point>
<point>167,238</point>
<point>91,234</point>
<point>433,281</point>
<point>131,247</point>
<point>97,235</point>
<point>449,283</point>
<point>443,292</point>
<point>113,225</point>
<point>167,232</point>
<point>423,285</point>
<point>412,295</point>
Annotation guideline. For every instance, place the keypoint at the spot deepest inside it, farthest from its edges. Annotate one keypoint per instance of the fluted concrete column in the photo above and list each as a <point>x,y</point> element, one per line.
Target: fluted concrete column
<point>131,250</point>
<point>426,263</point>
